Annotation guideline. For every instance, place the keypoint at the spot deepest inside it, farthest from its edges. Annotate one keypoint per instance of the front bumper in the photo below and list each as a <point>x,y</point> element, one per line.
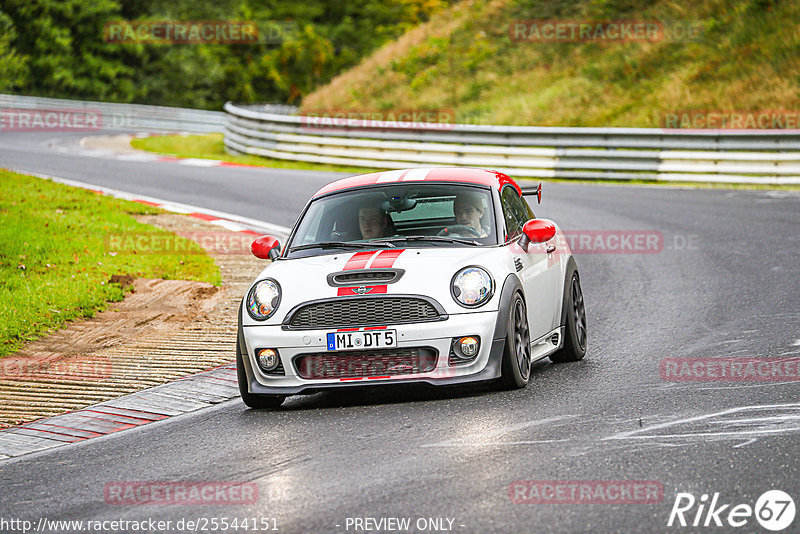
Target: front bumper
<point>437,335</point>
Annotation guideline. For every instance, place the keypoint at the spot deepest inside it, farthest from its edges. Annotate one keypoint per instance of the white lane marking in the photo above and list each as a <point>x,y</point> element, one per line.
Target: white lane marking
<point>390,176</point>
<point>777,418</point>
<point>195,162</point>
<point>229,225</point>
<point>530,442</point>
<point>177,207</point>
<point>746,443</point>
<point>137,157</point>
<point>417,174</point>
<point>767,419</point>
<point>714,434</point>
<point>482,438</point>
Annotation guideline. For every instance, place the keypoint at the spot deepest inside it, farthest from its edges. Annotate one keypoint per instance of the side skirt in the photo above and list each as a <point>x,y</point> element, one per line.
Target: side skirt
<point>544,347</point>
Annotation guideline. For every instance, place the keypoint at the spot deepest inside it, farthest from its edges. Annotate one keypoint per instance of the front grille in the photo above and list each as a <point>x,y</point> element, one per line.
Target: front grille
<point>348,312</point>
<point>357,364</point>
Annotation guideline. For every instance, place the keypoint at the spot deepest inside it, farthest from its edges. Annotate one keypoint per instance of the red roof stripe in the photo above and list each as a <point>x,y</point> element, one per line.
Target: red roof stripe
<point>441,174</point>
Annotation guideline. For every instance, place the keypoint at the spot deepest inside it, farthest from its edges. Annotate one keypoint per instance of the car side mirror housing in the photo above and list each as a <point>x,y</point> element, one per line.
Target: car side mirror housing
<point>537,231</point>
<point>266,247</point>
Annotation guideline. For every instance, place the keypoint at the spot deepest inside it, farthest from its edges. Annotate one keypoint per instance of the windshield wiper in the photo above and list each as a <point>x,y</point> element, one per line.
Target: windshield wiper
<point>431,238</point>
<point>344,244</point>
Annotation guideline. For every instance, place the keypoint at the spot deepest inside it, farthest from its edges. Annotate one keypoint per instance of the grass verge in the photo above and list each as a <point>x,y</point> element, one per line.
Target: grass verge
<point>54,262</point>
<point>211,146</point>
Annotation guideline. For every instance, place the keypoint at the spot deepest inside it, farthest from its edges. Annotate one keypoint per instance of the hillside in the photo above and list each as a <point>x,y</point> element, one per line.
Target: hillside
<point>740,56</point>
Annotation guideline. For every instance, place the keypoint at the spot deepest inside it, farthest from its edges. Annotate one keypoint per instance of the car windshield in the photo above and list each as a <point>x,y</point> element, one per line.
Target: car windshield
<point>404,215</point>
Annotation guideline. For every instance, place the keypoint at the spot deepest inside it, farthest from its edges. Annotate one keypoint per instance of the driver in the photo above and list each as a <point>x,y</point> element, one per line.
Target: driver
<point>373,222</point>
<point>468,209</point>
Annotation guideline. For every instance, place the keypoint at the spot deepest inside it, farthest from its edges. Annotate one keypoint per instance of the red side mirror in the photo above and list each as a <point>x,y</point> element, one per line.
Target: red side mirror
<point>539,230</point>
<point>266,247</point>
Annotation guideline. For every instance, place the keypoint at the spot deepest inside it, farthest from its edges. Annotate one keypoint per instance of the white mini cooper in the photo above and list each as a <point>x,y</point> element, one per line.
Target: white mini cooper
<point>435,275</point>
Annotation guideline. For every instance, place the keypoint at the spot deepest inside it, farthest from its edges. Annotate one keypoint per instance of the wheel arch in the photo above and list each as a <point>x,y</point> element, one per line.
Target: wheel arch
<point>512,284</point>
<point>241,350</point>
<point>571,267</point>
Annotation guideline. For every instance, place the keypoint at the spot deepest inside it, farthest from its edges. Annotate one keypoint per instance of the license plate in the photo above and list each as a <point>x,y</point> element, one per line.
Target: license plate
<point>369,339</point>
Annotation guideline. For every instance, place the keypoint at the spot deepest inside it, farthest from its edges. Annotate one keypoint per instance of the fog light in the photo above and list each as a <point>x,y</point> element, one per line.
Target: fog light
<point>464,350</point>
<point>268,359</point>
<point>469,346</point>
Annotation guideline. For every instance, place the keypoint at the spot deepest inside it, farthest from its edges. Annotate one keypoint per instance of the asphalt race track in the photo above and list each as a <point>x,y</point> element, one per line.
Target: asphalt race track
<point>724,283</point>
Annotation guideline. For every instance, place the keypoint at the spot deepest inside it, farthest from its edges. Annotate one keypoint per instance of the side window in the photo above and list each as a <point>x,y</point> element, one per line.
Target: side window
<point>527,209</point>
<point>515,211</point>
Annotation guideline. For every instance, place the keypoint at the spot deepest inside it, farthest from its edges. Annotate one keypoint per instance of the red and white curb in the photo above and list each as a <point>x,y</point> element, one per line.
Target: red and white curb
<point>229,221</point>
<point>147,157</point>
<point>181,396</point>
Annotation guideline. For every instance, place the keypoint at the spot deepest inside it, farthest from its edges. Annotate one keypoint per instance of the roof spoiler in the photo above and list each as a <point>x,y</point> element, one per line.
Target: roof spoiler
<point>533,191</point>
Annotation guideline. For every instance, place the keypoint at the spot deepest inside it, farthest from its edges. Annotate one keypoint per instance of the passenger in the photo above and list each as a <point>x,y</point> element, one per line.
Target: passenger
<point>468,209</point>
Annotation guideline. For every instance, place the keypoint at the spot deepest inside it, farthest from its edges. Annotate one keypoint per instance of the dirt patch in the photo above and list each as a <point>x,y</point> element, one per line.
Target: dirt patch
<point>163,330</point>
<point>115,143</point>
<point>154,305</point>
<point>124,280</point>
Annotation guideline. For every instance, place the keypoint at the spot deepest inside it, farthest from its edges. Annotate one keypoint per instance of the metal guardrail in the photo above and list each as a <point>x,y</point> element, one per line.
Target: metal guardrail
<point>125,116</point>
<point>769,156</point>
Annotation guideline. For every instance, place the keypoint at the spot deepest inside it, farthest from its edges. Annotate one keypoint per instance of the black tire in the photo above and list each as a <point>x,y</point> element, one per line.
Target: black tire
<point>516,369</point>
<point>574,321</point>
<point>251,400</point>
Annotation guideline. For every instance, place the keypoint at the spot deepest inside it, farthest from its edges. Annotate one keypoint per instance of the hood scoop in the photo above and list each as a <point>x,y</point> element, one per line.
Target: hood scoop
<point>360,277</point>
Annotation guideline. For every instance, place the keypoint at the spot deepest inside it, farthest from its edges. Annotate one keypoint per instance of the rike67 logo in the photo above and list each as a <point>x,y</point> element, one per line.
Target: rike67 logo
<point>774,510</point>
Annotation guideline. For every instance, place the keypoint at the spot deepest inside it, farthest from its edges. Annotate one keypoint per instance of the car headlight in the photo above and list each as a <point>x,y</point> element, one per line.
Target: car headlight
<point>263,299</point>
<point>472,287</point>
